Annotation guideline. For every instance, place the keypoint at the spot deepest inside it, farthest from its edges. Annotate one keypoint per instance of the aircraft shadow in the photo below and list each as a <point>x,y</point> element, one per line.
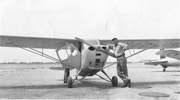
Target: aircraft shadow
<point>96,84</point>
<point>34,87</point>
<point>146,84</point>
<point>175,75</point>
<point>168,71</point>
<point>84,83</point>
<point>92,83</point>
<point>56,68</point>
<point>105,85</point>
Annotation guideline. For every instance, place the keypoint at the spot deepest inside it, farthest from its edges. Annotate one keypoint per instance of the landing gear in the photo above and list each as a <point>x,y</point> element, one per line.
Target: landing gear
<point>67,78</point>
<point>164,68</point>
<point>69,82</point>
<point>114,81</point>
<point>66,75</point>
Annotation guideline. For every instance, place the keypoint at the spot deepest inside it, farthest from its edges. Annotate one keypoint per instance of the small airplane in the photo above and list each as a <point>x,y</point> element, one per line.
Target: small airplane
<point>172,60</point>
<point>88,56</point>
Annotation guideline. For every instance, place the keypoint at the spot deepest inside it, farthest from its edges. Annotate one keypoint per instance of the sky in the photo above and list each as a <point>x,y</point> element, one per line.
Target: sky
<point>88,19</point>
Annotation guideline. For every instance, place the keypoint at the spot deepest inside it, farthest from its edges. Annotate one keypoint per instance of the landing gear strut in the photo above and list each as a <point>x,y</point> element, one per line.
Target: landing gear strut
<point>114,80</point>
<point>66,75</point>
<point>68,79</point>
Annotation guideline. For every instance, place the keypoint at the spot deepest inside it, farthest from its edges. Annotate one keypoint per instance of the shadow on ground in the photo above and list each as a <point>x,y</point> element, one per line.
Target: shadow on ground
<point>96,84</point>
<point>149,84</point>
<point>167,71</point>
<point>83,83</point>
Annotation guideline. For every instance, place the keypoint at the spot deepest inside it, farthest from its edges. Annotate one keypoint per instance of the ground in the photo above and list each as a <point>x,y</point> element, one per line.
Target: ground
<point>38,81</point>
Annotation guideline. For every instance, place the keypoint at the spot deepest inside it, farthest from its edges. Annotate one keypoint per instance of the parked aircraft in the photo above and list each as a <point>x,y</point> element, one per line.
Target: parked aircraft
<point>172,60</point>
<point>87,56</point>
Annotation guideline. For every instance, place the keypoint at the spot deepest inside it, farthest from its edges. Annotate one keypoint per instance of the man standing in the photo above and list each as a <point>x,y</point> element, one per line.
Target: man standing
<point>122,71</point>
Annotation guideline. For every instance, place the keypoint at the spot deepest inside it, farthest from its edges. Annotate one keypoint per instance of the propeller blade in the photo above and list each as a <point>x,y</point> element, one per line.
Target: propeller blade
<point>85,42</point>
<point>96,47</point>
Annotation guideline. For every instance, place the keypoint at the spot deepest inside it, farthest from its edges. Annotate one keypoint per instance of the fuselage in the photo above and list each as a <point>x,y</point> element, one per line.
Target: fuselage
<point>92,61</point>
<point>170,62</point>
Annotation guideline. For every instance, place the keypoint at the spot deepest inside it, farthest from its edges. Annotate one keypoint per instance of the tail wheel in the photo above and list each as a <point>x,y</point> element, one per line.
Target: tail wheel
<point>69,82</point>
<point>114,81</point>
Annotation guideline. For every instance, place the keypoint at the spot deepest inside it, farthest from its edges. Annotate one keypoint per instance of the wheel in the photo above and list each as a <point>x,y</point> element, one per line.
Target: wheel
<point>164,66</point>
<point>114,81</point>
<point>164,70</point>
<point>69,82</point>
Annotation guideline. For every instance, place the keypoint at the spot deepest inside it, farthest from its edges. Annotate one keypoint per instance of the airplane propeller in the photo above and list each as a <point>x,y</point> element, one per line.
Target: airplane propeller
<point>96,47</point>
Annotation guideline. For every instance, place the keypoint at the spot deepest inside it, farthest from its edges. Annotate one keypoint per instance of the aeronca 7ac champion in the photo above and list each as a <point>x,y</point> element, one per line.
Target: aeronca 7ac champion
<point>87,56</point>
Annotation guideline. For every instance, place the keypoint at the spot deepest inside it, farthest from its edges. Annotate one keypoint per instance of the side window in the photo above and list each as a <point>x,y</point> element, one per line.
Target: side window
<point>67,51</point>
<point>63,54</point>
<point>71,51</point>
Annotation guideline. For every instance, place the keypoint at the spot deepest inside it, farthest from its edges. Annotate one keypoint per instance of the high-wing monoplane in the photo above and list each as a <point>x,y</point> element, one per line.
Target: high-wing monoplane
<point>167,58</point>
<point>87,56</point>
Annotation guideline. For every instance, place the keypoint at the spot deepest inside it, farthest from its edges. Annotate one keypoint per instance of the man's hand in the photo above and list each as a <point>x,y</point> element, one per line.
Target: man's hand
<point>109,46</point>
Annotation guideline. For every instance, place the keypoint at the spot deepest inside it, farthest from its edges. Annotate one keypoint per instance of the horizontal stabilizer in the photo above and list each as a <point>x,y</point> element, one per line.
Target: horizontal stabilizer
<point>158,62</point>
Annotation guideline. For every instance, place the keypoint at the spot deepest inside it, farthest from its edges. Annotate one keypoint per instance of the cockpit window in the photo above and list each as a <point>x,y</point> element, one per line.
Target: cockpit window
<point>68,51</point>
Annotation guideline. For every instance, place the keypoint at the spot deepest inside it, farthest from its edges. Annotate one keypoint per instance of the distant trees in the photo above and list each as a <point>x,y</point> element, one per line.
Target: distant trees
<point>29,62</point>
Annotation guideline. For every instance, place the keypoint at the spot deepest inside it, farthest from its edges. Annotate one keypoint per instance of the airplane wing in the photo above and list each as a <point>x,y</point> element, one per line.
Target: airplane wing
<point>147,43</point>
<point>155,62</point>
<point>170,53</point>
<point>56,43</point>
<point>34,42</point>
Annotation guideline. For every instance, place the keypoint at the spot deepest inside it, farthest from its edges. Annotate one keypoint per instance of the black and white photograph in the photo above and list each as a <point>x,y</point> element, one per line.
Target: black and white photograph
<point>90,49</point>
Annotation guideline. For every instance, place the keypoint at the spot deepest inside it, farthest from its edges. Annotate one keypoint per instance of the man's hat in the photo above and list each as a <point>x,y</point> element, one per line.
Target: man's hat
<point>114,39</point>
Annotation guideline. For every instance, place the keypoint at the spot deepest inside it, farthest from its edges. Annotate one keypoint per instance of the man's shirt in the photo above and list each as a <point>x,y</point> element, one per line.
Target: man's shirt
<point>119,49</point>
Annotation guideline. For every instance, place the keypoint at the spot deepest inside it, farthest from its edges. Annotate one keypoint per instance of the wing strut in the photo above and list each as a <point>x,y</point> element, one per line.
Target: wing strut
<point>37,52</point>
<point>130,56</point>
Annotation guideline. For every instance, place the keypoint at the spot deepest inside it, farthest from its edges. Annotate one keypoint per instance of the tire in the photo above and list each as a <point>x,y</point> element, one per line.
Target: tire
<point>114,81</point>
<point>69,82</point>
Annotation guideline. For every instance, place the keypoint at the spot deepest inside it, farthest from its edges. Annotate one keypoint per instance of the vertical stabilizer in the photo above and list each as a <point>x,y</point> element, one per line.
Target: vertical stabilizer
<point>162,56</point>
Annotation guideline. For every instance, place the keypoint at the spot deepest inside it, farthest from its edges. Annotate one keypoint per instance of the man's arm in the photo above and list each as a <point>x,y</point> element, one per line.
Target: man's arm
<point>109,47</point>
<point>111,54</point>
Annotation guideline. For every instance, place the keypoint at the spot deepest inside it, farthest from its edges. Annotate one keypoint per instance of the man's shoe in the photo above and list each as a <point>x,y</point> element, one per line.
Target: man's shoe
<point>127,84</point>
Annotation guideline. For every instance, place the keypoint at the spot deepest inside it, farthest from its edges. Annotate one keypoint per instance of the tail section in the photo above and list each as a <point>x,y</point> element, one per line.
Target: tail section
<point>169,53</point>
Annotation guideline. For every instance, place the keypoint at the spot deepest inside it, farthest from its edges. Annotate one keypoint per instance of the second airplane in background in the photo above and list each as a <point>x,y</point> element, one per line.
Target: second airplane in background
<point>167,58</point>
